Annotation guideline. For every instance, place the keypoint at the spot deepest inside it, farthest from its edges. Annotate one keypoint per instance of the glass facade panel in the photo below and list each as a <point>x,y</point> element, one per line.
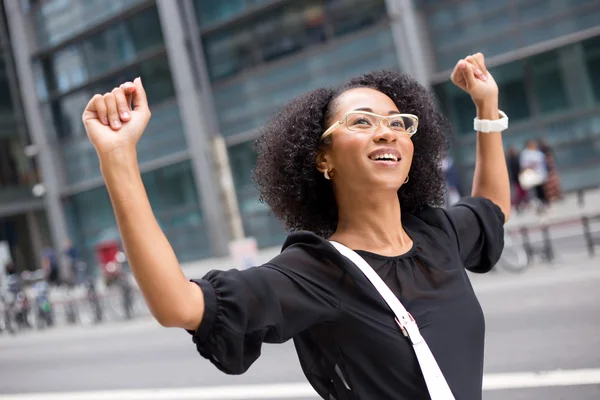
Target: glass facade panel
<point>548,82</point>
<point>591,50</point>
<point>459,107</point>
<point>175,204</point>
<point>163,136</point>
<point>290,29</point>
<point>228,53</point>
<point>285,30</point>
<point>210,11</point>
<point>245,104</point>
<point>6,106</point>
<point>16,173</point>
<point>496,27</point>
<point>257,217</point>
<point>347,16</point>
<point>118,45</point>
<point>57,20</point>
<point>157,82</point>
<point>91,220</point>
<point>562,89</point>
<point>174,201</point>
<point>16,176</point>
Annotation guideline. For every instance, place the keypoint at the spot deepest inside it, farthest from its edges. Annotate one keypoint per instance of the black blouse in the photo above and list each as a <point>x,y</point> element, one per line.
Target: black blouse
<point>347,341</point>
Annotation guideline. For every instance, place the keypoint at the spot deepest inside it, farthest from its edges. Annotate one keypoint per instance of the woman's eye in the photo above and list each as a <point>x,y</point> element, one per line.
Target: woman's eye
<point>362,121</point>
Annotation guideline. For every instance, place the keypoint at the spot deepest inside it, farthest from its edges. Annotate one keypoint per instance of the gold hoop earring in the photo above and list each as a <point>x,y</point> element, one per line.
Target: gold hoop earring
<point>406,181</point>
<point>326,174</point>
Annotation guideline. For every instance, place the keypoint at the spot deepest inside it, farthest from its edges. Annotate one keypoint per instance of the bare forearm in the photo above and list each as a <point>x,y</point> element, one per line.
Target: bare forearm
<point>172,299</point>
<point>491,174</point>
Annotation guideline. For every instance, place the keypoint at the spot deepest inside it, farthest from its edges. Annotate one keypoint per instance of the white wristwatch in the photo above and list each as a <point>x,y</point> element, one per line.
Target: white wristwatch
<point>489,125</point>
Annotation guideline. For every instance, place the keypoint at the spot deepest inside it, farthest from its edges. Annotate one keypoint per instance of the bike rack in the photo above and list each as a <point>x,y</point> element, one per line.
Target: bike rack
<point>546,251</point>
<point>590,240</point>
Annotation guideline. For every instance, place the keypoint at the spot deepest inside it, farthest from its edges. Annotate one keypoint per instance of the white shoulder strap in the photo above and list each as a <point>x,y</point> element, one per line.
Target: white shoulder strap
<point>436,383</point>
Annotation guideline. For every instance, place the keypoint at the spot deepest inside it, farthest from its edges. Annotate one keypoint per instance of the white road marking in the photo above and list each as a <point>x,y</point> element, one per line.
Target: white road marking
<point>520,380</point>
<point>517,380</point>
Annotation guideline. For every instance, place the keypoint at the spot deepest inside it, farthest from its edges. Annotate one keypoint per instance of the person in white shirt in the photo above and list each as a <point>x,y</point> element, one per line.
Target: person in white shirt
<point>532,158</point>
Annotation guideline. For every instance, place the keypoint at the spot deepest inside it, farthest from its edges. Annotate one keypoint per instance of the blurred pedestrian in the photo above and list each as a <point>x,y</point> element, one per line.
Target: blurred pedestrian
<point>452,179</point>
<point>518,194</point>
<point>50,265</point>
<point>552,187</point>
<point>352,168</point>
<point>534,172</point>
<point>73,262</point>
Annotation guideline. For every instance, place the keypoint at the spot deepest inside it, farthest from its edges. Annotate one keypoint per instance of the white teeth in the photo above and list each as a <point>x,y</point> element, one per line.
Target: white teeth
<point>387,156</point>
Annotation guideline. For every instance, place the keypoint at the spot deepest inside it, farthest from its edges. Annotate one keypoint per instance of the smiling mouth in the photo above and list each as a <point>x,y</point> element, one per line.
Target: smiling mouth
<point>390,158</point>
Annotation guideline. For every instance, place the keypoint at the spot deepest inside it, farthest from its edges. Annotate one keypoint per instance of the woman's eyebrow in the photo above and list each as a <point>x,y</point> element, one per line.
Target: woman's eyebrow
<point>367,109</point>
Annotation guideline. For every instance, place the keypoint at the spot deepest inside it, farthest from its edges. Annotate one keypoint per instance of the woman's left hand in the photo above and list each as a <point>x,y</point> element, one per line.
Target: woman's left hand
<point>471,75</point>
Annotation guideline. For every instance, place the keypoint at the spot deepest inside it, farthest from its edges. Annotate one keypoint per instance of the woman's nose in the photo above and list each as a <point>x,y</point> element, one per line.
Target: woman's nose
<point>384,133</point>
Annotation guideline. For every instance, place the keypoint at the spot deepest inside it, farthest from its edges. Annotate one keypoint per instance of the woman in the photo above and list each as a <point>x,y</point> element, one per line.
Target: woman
<point>519,197</point>
<point>341,165</point>
<point>532,158</point>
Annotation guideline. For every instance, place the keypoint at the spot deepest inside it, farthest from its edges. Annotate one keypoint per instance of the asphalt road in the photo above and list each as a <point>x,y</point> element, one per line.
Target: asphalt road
<point>546,319</point>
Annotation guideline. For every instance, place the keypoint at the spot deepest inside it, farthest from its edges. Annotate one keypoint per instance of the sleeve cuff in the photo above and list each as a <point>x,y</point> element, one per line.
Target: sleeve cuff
<point>200,335</point>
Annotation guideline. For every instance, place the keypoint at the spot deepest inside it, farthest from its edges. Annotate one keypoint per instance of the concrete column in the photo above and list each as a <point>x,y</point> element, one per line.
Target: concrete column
<point>49,166</point>
<point>411,44</point>
<point>196,123</point>
<point>222,166</point>
<point>35,235</point>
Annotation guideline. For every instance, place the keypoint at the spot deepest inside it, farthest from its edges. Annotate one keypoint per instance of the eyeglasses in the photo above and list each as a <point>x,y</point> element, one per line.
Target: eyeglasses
<point>367,122</point>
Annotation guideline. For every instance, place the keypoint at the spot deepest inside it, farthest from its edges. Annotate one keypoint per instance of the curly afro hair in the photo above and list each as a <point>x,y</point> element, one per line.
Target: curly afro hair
<point>288,145</point>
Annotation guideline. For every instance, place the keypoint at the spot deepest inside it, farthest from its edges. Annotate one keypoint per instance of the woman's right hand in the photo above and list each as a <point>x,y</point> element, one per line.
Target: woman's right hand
<point>110,121</point>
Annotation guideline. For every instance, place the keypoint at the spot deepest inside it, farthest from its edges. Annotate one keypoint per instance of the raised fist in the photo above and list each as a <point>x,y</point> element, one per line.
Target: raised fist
<point>471,75</point>
<point>110,120</point>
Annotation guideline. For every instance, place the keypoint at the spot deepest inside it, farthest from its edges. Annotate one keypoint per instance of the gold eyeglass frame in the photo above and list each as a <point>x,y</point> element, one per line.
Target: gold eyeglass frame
<point>344,120</point>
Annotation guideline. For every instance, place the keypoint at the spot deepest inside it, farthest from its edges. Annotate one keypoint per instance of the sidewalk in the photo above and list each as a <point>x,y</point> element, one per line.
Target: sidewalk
<point>565,210</point>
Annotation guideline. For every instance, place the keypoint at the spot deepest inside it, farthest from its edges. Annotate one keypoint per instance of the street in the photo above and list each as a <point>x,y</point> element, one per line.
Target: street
<point>545,319</point>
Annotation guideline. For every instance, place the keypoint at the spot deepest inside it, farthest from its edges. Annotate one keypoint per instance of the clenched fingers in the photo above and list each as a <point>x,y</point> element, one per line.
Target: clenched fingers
<point>123,106</point>
<point>113,113</point>
<point>96,108</point>
<point>468,72</point>
<point>478,69</point>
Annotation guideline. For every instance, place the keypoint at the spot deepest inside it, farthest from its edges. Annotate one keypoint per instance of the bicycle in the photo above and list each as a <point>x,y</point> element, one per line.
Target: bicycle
<point>514,258</point>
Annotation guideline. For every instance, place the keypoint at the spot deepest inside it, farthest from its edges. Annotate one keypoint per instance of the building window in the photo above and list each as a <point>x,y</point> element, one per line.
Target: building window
<point>289,29</point>
<point>174,200</point>
<point>210,11</point>
<point>548,82</point>
<point>259,222</point>
<point>157,81</point>
<point>591,50</point>
<point>244,104</point>
<point>228,53</point>
<point>57,20</point>
<point>458,106</point>
<point>285,30</point>
<point>119,45</point>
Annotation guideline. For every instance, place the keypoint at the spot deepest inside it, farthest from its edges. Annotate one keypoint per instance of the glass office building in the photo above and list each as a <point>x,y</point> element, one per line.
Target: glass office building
<point>218,69</point>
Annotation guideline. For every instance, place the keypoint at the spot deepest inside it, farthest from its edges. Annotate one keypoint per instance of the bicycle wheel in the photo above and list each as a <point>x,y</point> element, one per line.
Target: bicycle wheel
<point>514,259</point>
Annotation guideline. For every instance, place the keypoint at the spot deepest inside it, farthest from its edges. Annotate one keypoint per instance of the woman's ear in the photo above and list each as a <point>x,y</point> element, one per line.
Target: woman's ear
<point>322,164</point>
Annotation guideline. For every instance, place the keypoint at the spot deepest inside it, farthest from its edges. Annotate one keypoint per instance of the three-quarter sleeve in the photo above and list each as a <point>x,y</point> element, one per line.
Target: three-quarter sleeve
<point>478,227</point>
<point>266,304</point>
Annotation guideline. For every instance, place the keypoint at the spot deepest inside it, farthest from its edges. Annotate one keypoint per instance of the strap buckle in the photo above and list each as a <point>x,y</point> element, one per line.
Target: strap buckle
<point>406,319</point>
<point>409,328</point>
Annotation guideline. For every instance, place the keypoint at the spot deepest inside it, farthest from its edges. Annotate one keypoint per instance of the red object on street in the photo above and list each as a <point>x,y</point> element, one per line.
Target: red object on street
<point>107,251</point>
